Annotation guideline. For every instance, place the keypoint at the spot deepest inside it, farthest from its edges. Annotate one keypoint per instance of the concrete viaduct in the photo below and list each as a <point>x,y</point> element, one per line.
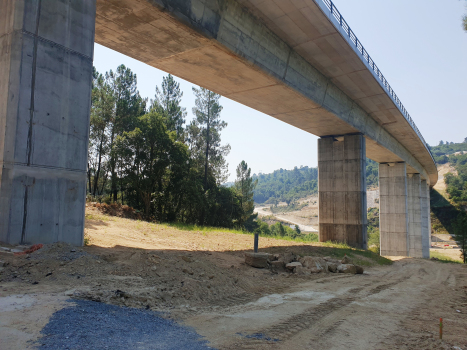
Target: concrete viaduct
<point>295,60</point>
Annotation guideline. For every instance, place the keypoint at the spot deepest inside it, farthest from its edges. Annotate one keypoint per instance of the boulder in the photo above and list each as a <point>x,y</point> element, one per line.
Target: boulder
<point>347,268</point>
<point>259,260</point>
<point>315,263</point>
<point>332,267</point>
<point>346,260</point>
<point>291,266</point>
<point>301,271</point>
<point>277,266</point>
<point>288,257</point>
<point>359,269</point>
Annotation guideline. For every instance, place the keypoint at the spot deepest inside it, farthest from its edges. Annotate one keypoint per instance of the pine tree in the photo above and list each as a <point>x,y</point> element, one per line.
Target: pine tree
<point>205,136</point>
<point>167,103</point>
<point>245,187</point>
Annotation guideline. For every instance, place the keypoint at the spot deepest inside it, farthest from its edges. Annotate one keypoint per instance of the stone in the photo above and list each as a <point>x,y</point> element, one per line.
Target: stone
<point>301,271</point>
<point>278,266</point>
<point>2,263</point>
<point>346,260</point>
<point>188,271</point>
<point>288,257</point>
<point>316,263</point>
<point>291,266</point>
<point>359,269</point>
<point>316,270</point>
<point>332,267</point>
<point>70,292</point>
<point>347,268</point>
<point>187,259</point>
<point>258,260</point>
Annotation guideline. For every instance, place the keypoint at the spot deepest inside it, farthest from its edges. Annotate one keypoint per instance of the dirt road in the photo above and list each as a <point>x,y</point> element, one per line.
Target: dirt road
<point>394,307</point>
<point>199,278</point>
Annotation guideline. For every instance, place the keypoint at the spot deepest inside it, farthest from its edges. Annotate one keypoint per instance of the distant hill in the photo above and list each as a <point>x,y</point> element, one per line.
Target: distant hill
<point>288,185</point>
<point>442,152</point>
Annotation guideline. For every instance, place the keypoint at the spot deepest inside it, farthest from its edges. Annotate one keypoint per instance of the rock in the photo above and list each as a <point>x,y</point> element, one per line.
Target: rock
<point>291,266</point>
<point>188,271</point>
<point>359,269</point>
<point>2,263</point>
<point>301,271</point>
<point>278,266</point>
<point>187,259</point>
<point>315,263</point>
<point>70,292</point>
<point>274,257</point>
<point>259,260</point>
<point>316,270</point>
<point>346,260</point>
<point>332,267</point>
<point>288,257</point>
<point>153,267</point>
<point>347,268</point>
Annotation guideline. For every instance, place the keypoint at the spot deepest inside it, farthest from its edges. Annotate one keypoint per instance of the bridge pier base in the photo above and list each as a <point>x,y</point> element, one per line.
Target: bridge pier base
<point>342,190</point>
<point>46,56</point>
<point>393,209</point>
<point>404,212</point>
<point>426,219</point>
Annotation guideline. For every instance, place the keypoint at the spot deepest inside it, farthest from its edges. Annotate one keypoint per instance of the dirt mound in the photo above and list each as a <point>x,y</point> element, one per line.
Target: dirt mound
<point>115,209</point>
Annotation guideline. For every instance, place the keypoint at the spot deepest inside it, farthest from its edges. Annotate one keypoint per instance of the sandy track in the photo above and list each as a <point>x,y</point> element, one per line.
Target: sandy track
<point>396,307</point>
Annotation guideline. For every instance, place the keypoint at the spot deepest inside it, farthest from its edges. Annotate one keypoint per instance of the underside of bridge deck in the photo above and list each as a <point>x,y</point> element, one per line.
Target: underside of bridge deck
<point>290,62</point>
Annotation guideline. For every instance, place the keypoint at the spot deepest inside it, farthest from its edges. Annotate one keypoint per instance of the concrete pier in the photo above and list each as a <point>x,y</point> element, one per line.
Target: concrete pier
<point>342,190</point>
<point>426,219</point>
<point>46,50</point>
<point>414,208</point>
<point>393,214</point>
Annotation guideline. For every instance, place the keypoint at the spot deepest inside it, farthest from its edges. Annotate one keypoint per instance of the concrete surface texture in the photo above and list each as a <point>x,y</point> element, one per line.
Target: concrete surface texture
<point>414,207</point>
<point>342,190</point>
<point>46,50</point>
<point>393,210</point>
<point>426,219</point>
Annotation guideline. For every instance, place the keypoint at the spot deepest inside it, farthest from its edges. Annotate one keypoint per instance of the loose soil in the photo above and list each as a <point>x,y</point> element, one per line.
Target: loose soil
<point>199,278</point>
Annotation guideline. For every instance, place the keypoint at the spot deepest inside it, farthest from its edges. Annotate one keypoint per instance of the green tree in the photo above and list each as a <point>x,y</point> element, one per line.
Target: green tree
<point>167,103</point>
<point>102,114</point>
<point>245,187</point>
<point>207,127</point>
<point>150,156</point>
<point>460,234</point>
<point>129,105</point>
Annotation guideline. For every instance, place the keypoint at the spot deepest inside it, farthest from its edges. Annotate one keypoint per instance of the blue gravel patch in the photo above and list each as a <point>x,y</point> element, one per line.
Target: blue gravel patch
<point>93,325</point>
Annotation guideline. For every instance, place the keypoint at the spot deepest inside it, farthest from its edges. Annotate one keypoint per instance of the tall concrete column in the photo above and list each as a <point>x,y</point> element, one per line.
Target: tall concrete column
<point>414,202</point>
<point>342,190</point>
<point>393,213</point>
<point>46,51</point>
<point>426,219</point>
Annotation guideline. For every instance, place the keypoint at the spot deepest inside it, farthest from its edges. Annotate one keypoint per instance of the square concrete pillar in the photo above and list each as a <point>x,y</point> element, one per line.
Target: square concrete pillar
<point>342,190</point>
<point>46,51</point>
<point>426,219</point>
<point>393,213</point>
<point>414,201</point>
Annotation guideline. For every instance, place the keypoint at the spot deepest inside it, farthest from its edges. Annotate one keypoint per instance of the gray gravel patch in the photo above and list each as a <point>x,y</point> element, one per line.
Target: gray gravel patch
<point>92,325</point>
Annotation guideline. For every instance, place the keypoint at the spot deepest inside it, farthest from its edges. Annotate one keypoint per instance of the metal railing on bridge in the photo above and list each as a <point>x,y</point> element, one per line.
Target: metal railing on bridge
<point>366,57</point>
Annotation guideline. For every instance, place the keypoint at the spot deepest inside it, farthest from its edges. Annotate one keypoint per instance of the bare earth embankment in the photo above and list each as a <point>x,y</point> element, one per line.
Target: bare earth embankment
<point>199,278</point>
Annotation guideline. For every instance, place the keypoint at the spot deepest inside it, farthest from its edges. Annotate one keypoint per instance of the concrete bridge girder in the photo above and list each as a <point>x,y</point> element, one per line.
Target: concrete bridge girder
<point>225,46</point>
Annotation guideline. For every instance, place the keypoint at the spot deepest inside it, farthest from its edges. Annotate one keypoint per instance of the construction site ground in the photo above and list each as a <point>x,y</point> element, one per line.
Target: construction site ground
<point>198,278</point>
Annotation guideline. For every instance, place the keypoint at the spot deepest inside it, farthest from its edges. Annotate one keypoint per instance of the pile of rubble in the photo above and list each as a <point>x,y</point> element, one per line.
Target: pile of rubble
<point>306,265</point>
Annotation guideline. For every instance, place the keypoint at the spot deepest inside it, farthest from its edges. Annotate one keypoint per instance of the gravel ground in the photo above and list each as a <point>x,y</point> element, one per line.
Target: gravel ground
<point>93,325</point>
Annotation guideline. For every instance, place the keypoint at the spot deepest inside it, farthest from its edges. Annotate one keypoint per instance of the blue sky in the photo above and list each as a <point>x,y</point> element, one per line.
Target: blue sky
<point>420,47</point>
